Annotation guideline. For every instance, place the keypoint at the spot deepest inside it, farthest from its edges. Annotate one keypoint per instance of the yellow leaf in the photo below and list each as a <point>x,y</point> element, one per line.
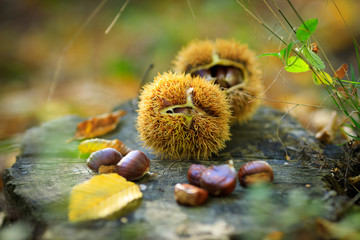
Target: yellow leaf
<point>98,125</point>
<point>102,196</point>
<point>96,144</point>
<point>322,78</point>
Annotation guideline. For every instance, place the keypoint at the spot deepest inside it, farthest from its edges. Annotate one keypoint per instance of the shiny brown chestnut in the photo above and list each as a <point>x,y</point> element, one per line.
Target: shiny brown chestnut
<point>106,156</point>
<point>133,166</point>
<point>255,172</point>
<point>219,180</point>
<point>190,195</point>
<point>194,173</point>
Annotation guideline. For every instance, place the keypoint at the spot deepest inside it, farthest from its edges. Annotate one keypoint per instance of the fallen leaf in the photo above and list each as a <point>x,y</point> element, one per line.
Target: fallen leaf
<point>97,126</point>
<point>348,133</point>
<point>327,133</point>
<point>347,92</point>
<point>355,179</point>
<point>341,71</point>
<point>103,196</point>
<point>314,48</point>
<point>96,144</point>
<point>275,235</point>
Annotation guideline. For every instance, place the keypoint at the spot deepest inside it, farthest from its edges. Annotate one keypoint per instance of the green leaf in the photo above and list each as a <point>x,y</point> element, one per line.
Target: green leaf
<point>270,54</point>
<point>322,77</point>
<point>313,59</point>
<point>296,65</point>
<point>306,29</point>
<point>286,52</point>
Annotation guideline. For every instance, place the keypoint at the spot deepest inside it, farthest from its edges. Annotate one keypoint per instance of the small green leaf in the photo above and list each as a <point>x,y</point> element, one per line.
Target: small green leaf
<point>286,52</point>
<point>322,77</point>
<point>306,29</point>
<point>313,59</point>
<point>270,54</point>
<point>296,65</point>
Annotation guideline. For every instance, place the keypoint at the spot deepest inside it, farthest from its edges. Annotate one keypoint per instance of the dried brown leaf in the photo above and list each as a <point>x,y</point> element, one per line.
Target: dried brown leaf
<point>98,125</point>
<point>315,48</point>
<point>341,71</point>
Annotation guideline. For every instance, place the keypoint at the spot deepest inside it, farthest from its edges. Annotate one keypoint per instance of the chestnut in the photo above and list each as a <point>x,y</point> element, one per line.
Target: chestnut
<point>255,172</point>
<point>219,180</point>
<point>106,156</point>
<point>194,173</point>
<point>190,195</point>
<point>104,169</point>
<point>133,166</point>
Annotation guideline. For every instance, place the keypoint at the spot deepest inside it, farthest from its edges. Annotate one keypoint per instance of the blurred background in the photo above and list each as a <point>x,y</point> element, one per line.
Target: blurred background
<point>55,58</point>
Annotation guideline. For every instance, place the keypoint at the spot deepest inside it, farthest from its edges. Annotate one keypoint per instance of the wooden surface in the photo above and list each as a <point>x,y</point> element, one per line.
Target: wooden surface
<point>41,180</point>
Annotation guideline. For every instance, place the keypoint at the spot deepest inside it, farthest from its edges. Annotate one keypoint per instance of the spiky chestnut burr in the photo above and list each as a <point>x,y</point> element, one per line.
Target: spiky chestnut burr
<point>229,64</point>
<point>183,116</point>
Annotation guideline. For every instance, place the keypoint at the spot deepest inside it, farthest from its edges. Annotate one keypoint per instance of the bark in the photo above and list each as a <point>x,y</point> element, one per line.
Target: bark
<point>39,183</point>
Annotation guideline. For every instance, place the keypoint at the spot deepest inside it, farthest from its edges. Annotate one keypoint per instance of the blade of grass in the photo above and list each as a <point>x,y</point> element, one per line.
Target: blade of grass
<point>260,22</point>
<point>346,81</point>
<point>297,13</point>
<point>352,103</point>
<point>343,108</point>
<point>287,21</point>
<point>352,76</point>
<point>69,44</point>
<point>277,17</point>
<point>347,26</point>
<point>357,53</point>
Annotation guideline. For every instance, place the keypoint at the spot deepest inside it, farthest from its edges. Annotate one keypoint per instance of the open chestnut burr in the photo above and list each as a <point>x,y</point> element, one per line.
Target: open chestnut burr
<point>229,64</point>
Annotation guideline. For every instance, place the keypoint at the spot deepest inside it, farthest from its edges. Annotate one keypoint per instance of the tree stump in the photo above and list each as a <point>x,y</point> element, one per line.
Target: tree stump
<point>40,182</point>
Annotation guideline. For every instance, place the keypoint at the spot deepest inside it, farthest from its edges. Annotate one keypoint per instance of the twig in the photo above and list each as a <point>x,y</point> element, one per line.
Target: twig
<point>287,157</point>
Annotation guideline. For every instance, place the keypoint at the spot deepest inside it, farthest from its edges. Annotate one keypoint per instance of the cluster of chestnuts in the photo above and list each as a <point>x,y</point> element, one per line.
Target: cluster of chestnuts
<point>219,181</point>
<point>132,166</point>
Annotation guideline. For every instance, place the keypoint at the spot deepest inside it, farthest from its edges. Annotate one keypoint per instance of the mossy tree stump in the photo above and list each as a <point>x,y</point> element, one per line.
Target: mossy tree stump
<point>39,183</point>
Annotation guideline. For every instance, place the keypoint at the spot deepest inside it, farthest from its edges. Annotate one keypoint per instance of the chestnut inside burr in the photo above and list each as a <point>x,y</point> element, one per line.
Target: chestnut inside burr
<point>184,110</point>
<point>188,110</point>
<point>225,76</point>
